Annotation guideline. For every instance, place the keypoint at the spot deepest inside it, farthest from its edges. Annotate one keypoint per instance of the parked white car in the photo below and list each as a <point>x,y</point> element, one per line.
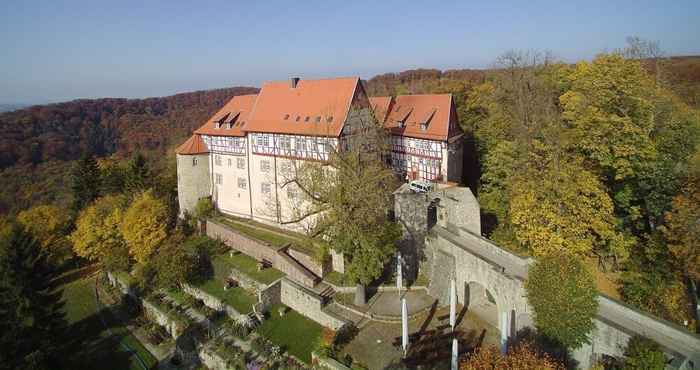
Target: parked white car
<point>420,186</point>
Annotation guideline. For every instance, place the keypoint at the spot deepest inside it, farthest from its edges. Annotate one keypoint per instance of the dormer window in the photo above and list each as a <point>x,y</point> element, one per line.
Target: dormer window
<point>423,126</point>
<point>286,117</point>
<point>298,118</point>
<point>329,119</point>
<point>318,119</point>
<point>306,119</point>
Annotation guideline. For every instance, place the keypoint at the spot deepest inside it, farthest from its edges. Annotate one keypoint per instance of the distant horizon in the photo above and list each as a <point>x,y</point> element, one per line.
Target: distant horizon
<point>60,51</point>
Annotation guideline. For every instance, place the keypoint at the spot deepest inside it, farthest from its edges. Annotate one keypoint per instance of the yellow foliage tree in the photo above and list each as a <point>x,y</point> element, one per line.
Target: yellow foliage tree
<point>144,225</point>
<point>97,228</point>
<point>560,206</point>
<point>47,223</point>
<point>519,357</point>
<point>610,112</point>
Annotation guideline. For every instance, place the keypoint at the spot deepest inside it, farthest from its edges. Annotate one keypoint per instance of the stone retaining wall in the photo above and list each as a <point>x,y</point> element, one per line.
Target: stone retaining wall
<point>310,262</point>
<point>327,363</point>
<point>123,287</point>
<point>212,302</point>
<point>292,267</point>
<point>212,360</point>
<point>308,303</point>
<point>270,296</point>
<point>246,282</point>
<point>161,318</point>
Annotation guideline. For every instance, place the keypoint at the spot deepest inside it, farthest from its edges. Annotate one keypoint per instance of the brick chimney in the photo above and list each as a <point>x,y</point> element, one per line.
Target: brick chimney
<point>293,82</point>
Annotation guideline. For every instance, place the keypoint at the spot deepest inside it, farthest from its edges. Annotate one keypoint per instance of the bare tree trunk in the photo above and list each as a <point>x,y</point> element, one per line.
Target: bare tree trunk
<point>360,295</point>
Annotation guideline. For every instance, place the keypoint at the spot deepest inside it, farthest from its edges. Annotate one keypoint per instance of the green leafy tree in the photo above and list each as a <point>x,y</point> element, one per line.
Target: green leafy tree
<point>178,262</point>
<point>97,235</point>
<point>204,208</point>
<point>144,225</point>
<point>30,304</point>
<point>85,182</point>
<point>563,295</point>
<point>643,354</point>
<point>347,199</point>
<point>112,174</point>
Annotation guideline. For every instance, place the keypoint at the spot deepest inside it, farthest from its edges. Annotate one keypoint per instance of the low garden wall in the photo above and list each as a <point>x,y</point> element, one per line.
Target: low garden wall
<point>271,295</point>
<point>246,282</point>
<point>161,318</point>
<point>308,303</point>
<point>212,302</point>
<point>327,362</point>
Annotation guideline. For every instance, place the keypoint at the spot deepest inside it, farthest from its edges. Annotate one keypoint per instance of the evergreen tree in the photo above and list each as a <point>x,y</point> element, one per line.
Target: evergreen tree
<point>137,174</point>
<point>30,305</point>
<point>86,182</point>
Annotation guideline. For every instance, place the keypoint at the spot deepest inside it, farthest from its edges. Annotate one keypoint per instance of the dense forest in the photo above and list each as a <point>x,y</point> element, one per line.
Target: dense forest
<point>39,143</point>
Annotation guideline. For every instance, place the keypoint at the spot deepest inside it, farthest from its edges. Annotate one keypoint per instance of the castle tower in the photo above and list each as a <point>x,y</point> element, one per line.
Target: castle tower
<point>193,175</point>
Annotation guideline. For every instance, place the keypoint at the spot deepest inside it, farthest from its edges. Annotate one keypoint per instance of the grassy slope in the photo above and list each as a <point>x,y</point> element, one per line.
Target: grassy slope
<point>90,346</point>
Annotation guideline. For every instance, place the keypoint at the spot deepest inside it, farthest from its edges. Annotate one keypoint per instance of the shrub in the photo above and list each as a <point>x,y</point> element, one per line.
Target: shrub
<point>204,208</point>
<point>643,354</point>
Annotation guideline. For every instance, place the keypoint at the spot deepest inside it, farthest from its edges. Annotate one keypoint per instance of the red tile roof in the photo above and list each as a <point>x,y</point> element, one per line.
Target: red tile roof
<point>313,107</point>
<point>193,145</point>
<point>435,111</point>
<point>236,112</point>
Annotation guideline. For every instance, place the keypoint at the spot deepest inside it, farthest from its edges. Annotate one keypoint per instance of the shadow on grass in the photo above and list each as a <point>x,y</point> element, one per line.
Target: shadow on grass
<point>87,345</point>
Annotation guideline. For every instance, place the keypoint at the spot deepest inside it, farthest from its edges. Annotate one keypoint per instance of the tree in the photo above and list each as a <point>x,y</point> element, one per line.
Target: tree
<point>97,235</point>
<point>48,224</point>
<point>563,295</point>
<point>112,175</point>
<point>144,225</point>
<point>30,305</point>
<point>177,262</point>
<point>137,175</point>
<point>347,199</point>
<point>643,354</point>
<point>85,182</point>
<point>522,356</point>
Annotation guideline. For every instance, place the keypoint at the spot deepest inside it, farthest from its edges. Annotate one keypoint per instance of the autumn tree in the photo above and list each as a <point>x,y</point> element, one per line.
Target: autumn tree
<point>48,224</point>
<point>85,182</point>
<point>522,356</point>
<point>178,262</point>
<point>97,235</point>
<point>144,225</point>
<point>137,175</point>
<point>643,354</point>
<point>348,198</point>
<point>563,295</point>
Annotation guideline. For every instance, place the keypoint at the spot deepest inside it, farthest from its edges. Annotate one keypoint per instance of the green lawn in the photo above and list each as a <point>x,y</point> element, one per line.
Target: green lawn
<point>294,332</point>
<point>237,298</point>
<point>245,264</point>
<point>89,344</point>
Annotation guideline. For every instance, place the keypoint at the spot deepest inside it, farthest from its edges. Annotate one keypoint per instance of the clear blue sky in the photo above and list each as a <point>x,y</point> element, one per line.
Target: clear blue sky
<point>60,50</point>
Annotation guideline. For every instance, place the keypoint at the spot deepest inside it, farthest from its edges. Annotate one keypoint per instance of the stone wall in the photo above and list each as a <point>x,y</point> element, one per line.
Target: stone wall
<point>310,262</point>
<point>123,286</point>
<point>270,296</point>
<point>162,319</point>
<point>246,282</point>
<point>308,303</point>
<point>327,363</point>
<point>212,302</point>
<point>211,360</point>
<point>263,251</point>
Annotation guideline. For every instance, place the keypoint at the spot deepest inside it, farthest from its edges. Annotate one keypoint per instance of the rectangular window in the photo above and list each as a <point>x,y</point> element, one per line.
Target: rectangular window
<point>218,179</point>
<point>217,160</point>
<point>240,163</point>
<point>242,183</point>
<point>286,142</point>
<point>263,140</point>
<point>301,144</point>
<point>229,162</point>
<point>265,188</point>
<point>194,161</point>
<point>265,166</point>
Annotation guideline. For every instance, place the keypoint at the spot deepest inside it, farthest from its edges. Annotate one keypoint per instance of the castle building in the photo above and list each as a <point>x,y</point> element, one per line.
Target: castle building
<point>242,156</point>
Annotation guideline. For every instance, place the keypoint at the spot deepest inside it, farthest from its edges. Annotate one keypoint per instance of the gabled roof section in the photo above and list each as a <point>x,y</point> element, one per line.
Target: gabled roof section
<point>193,145</point>
<point>418,116</point>
<point>231,119</point>
<point>312,107</point>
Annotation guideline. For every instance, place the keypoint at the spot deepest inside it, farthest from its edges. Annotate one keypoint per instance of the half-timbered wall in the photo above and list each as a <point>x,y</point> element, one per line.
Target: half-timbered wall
<point>417,156</point>
<point>226,144</point>
<point>293,146</point>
